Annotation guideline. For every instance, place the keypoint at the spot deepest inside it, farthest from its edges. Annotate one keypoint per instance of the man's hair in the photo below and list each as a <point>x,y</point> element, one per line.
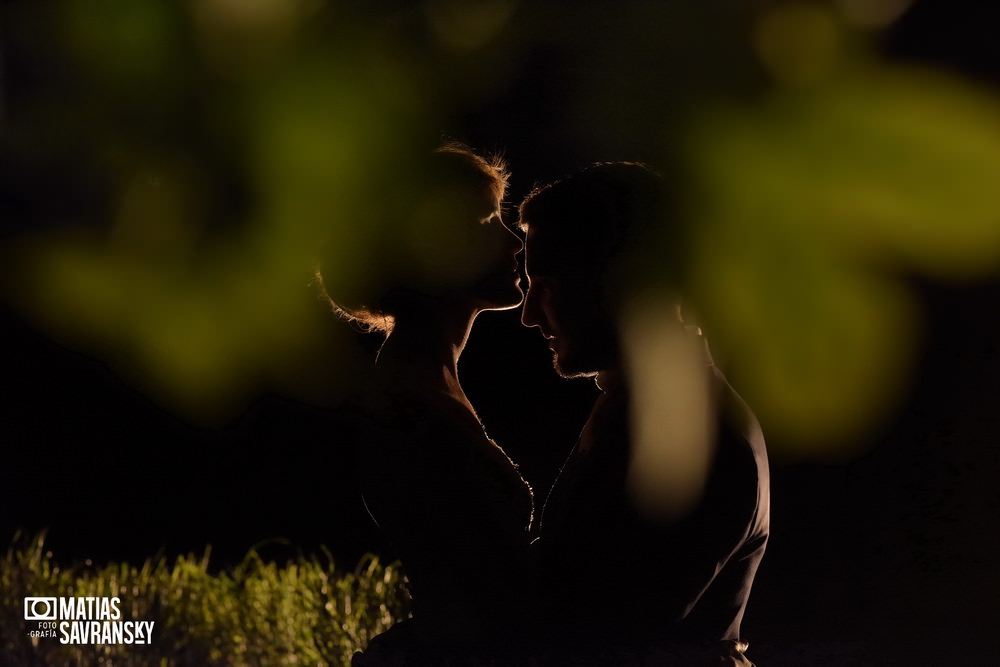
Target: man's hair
<point>453,167</point>
<point>600,217</point>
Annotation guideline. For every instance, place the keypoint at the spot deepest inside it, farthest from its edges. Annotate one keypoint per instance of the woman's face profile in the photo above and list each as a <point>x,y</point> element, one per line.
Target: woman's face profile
<point>498,287</point>
<point>458,249</point>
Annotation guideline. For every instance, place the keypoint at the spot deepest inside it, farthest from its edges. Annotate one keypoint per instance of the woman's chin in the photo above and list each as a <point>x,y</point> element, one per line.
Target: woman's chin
<point>506,305</point>
<point>500,293</point>
<point>510,297</point>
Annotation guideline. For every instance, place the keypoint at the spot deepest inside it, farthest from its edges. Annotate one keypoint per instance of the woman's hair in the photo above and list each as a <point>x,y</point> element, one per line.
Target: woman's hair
<point>452,167</point>
<point>488,174</point>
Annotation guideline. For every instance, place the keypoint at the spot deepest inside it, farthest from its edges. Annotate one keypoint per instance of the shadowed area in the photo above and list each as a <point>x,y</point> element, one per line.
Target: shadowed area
<point>173,172</point>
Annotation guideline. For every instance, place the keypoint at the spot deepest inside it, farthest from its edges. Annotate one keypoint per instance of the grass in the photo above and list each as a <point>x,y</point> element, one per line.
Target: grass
<point>301,612</point>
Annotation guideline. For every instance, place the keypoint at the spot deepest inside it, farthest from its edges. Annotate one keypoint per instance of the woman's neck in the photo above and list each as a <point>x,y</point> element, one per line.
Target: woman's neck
<point>426,348</point>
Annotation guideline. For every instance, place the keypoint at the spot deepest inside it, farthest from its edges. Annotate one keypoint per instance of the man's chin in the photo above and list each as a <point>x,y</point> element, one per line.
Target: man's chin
<point>565,369</point>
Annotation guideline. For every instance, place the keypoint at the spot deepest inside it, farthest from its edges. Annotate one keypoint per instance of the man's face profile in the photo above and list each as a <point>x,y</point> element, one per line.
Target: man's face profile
<point>565,306</point>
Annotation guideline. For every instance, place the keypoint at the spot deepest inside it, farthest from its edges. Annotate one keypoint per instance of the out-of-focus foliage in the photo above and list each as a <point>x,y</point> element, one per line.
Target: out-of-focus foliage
<point>177,169</point>
<point>816,199</point>
<point>304,611</point>
<point>230,145</point>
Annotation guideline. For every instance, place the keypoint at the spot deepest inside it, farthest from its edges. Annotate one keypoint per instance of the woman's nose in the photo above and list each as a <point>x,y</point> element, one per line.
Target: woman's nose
<point>516,244</point>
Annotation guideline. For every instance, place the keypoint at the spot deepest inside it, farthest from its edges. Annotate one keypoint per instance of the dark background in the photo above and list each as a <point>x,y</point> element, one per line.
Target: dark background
<point>887,555</point>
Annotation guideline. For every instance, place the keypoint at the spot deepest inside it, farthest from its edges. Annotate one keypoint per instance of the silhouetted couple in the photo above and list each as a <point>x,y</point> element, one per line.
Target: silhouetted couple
<point>642,556</point>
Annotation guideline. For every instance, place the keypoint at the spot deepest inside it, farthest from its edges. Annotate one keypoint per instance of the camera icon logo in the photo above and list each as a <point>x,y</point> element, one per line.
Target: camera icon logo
<point>40,609</point>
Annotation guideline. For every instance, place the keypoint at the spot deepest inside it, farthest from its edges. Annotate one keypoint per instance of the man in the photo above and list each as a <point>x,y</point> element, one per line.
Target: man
<point>622,573</point>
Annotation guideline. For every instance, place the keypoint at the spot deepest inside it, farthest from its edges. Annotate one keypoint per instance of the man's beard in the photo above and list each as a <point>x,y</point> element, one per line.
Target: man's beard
<point>570,370</point>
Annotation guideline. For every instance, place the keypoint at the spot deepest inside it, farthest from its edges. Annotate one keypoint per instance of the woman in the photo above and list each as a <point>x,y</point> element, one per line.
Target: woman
<point>445,495</point>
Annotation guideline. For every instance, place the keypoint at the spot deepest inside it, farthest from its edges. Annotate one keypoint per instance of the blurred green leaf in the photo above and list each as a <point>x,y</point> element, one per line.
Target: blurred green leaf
<point>810,203</point>
<point>217,151</point>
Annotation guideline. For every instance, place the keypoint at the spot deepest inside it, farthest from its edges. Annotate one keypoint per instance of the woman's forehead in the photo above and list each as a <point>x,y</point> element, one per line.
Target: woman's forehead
<point>488,204</point>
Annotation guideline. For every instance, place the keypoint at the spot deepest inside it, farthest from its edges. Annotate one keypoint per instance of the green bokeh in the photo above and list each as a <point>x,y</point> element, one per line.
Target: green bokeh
<point>237,147</point>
